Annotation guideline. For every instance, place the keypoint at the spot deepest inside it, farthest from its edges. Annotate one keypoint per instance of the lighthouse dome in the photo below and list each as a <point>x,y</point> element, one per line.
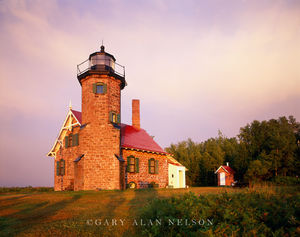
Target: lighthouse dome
<point>102,59</point>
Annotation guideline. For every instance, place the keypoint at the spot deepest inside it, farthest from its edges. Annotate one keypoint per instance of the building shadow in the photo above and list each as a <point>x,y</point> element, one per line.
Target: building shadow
<point>142,197</point>
<point>2,206</point>
<point>31,215</point>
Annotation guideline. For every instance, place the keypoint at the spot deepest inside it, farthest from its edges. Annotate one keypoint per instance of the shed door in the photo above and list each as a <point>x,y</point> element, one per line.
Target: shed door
<point>222,178</point>
<point>180,179</point>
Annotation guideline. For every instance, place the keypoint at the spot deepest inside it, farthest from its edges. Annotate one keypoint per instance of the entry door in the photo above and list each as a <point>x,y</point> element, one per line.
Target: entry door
<point>222,178</point>
<point>180,179</point>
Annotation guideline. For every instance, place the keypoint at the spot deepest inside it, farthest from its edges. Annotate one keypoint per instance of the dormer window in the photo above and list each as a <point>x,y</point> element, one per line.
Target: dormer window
<point>99,88</point>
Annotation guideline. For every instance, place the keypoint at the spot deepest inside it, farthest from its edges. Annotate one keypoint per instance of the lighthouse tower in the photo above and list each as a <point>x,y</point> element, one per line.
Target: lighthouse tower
<point>102,80</point>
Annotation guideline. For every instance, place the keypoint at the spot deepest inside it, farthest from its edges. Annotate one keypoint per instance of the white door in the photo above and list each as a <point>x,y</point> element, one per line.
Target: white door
<point>222,178</point>
<point>180,179</point>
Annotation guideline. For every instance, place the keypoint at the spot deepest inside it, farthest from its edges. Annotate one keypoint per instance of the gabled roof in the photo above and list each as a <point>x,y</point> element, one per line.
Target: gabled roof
<point>68,124</point>
<point>134,138</point>
<point>226,168</point>
<point>173,161</point>
<point>77,115</point>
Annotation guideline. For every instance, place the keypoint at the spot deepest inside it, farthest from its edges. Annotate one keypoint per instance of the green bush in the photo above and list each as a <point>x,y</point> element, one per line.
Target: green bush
<point>236,214</point>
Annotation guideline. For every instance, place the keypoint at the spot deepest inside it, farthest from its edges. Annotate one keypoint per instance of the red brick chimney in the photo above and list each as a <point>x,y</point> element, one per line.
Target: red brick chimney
<point>136,114</point>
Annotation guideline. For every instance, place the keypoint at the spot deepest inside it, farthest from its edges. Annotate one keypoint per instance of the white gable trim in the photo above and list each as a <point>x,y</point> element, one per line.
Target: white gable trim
<point>67,125</point>
<point>222,168</point>
<point>172,159</point>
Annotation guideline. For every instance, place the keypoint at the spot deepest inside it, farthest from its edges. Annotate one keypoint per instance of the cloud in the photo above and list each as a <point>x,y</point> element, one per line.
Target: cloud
<point>197,67</point>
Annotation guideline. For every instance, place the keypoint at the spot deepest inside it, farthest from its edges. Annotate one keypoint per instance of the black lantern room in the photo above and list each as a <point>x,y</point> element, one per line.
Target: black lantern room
<point>101,63</point>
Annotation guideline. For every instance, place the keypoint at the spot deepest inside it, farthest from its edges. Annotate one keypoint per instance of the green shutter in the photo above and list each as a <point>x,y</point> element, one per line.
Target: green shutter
<point>95,88</point>
<point>104,88</point>
<point>128,162</point>
<point>118,118</point>
<point>149,165</point>
<point>57,168</point>
<point>62,167</point>
<point>111,116</point>
<point>156,167</point>
<point>137,169</point>
<point>66,141</point>
<point>75,140</point>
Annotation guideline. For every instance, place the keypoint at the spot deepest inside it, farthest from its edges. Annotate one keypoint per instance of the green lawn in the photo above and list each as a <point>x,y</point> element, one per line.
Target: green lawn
<point>84,213</point>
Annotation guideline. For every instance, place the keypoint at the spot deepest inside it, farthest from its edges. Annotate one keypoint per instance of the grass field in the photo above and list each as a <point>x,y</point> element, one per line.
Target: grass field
<point>85,213</point>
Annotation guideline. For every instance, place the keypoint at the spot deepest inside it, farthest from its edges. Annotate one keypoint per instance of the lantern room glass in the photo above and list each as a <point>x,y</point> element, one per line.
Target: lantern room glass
<point>102,59</point>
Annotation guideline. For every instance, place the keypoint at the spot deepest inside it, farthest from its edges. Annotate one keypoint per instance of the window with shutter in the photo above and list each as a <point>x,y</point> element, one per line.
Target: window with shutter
<point>114,117</point>
<point>62,167</point>
<point>99,88</point>
<point>132,164</point>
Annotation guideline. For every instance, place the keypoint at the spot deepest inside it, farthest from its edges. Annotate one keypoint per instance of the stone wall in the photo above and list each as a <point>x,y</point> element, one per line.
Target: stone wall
<point>143,178</point>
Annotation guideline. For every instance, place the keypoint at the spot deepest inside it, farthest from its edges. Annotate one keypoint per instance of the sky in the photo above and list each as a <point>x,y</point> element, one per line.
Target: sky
<point>196,66</point>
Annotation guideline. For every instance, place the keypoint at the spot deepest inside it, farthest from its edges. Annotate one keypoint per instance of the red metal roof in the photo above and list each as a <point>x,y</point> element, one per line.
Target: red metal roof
<point>229,169</point>
<point>138,139</point>
<point>132,137</point>
<point>77,114</point>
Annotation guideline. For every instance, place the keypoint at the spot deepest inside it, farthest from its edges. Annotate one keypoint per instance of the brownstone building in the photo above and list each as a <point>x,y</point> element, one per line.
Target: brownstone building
<point>94,150</point>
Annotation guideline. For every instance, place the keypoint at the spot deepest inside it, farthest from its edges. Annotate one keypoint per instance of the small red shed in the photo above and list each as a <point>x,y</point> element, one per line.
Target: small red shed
<point>225,175</point>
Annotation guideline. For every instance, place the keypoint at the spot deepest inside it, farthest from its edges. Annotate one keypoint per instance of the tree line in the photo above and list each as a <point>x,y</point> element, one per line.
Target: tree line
<point>260,152</point>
